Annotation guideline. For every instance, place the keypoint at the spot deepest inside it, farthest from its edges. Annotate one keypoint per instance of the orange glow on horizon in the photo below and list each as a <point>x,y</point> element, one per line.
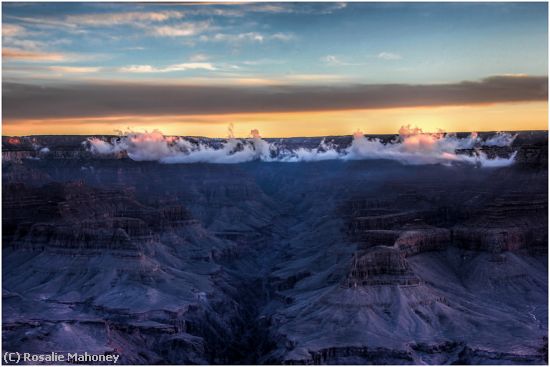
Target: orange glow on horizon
<point>500,117</point>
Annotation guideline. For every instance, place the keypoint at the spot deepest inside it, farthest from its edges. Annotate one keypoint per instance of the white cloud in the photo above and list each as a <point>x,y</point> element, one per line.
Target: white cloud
<point>332,60</point>
<point>138,69</point>
<point>248,37</point>
<point>170,68</point>
<point>191,66</point>
<point>389,56</point>
<point>415,148</point>
<point>180,30</point>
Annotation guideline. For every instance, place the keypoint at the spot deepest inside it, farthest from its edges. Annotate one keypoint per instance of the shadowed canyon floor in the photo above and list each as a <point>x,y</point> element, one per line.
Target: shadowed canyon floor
<point>338,262</point>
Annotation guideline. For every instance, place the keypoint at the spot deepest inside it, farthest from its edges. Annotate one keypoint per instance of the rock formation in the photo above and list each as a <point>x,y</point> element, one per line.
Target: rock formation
<point>330,262</point>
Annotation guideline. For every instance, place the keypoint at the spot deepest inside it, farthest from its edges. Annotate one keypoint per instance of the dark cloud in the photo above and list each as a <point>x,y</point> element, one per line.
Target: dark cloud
<point>87,100</point>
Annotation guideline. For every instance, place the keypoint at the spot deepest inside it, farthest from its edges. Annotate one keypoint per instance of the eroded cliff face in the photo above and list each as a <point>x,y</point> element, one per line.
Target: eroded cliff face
<point>309,263</point>
<point>97,265</point>
<point>438,257</point>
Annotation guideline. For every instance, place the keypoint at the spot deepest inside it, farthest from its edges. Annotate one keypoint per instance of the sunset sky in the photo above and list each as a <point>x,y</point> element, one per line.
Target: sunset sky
<point>287,69</point>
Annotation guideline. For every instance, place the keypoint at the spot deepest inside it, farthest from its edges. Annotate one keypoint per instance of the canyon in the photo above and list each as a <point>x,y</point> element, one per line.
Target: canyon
<point>367,261</point>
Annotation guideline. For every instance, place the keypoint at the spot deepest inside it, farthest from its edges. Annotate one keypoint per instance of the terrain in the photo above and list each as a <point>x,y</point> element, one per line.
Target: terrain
<point>367,261</point>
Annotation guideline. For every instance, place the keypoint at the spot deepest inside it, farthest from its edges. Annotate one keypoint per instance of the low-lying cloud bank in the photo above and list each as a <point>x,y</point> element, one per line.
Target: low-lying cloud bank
<point>412,146</point>
<point>26,101</point>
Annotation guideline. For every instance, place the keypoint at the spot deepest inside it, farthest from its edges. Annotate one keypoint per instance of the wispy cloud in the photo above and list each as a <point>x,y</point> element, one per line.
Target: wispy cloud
<point>296,8</point>
<point>32,56</point>
<point>47,23</point>
<point>332,60</point>
<point>198,58</point>
<point>23,44</point>
<point>389,56</point>
<point>134,48</point>
<point>280,36</point>
<point>248,37</point>
<point>11,30</point>
<point>110,19</point>
<point>170,68</point>
<point>159,23</point>
<point>75,69</point>
<point>239,9</point>
<point>42,56</point>
<point>264,61</point>
<point>32,45</point>
<point>185,29</point>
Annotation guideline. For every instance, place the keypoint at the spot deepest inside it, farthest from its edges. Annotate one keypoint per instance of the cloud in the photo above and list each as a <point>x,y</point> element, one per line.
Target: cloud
<point>157,23</point>
<point>415,147</point>
<point>17,37</point>
<point>134,48</point>
<point>412,146</point>
<point>296,8</point>
<point>12,30</point>
<point>26,45</point>
<point>198,58</point>
<point>107,99</point>
<point>264,61</point>
<point>75,69</point>
<point>331,60</point>
<point>248,37</point>
<point>41,56</point>
<point>500,140</point>
<point>170,68</point>
<point>239,9</point>
<point>110,19</point>
<point>185,29</point>
<point>138,69</point>
<point>280,36</point>
<point>389,56</point>
<point>46,23</point>
<point>31,56</point>
<point>18,46</point>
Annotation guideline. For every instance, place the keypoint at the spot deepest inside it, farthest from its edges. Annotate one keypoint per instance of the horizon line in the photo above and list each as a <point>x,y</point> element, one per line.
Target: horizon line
<point>279,137</point>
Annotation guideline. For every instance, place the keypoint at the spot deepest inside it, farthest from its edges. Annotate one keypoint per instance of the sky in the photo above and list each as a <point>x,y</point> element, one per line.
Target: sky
<point>287,69</point>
